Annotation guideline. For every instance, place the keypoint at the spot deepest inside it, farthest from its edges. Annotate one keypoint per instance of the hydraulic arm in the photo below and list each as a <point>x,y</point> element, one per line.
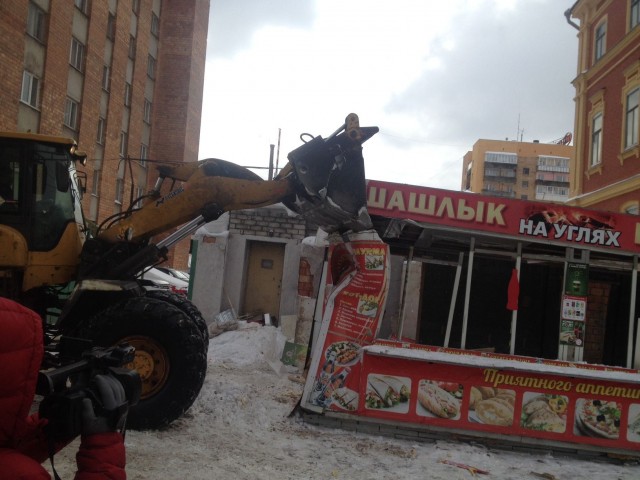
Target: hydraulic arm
<point>324,181</point>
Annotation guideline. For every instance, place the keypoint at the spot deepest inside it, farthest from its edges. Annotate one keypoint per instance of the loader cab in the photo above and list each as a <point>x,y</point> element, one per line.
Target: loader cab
<point>41,222</point>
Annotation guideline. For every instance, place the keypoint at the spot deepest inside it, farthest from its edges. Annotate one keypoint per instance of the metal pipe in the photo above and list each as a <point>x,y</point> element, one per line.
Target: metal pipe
<point>514,313</point>
<point>404,293</point>
<point>182,232</point>
<point>340,129</point>
<point>632,314</point>
<point>567,14</point>
<point>454,297</point>
<point>467,294</point>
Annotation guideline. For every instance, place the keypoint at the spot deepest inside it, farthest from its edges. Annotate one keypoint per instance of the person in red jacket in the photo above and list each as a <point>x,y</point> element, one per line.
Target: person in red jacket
<point>23,443</point>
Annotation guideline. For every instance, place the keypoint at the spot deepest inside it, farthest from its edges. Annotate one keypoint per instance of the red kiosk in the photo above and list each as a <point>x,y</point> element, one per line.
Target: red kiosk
<point>483,317</point>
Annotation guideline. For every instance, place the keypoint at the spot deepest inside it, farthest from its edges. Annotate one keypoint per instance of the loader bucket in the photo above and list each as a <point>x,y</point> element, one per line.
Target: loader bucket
<point>329,179</point>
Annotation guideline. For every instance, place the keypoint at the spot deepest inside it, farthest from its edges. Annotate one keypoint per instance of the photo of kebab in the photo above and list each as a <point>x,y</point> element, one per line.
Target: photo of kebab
<point>545,412</point>
<point>386,392</point>
<point>346,399</point>
<point>439,401</point>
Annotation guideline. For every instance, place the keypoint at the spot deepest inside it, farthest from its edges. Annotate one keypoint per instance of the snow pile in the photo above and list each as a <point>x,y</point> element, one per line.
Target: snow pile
<point>250,344</point>
<point>240,428</point>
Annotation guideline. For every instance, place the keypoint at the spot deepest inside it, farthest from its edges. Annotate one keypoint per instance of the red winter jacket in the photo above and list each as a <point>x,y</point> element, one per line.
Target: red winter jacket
<point>23,446</point>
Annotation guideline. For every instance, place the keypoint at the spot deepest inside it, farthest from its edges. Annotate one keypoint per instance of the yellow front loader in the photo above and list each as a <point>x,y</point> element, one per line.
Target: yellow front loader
<point>86,285</point>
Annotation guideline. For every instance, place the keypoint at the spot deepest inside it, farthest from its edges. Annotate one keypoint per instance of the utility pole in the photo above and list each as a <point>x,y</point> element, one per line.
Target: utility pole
<point>278,151</point>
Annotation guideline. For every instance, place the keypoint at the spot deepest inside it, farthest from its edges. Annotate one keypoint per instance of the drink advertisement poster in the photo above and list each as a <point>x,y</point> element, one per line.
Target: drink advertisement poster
<point>577,280</point>
<point>574,305</point>
<point>572,333</point>
<point>355,295</point>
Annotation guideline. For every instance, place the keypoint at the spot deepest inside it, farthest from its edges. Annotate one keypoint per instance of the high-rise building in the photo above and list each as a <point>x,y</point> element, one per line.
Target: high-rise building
<point>122,77</point>
<point>606,172</point>
<point>525,170</point>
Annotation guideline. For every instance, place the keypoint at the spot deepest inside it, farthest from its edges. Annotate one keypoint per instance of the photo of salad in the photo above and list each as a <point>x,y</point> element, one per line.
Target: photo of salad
<point>374,262</point>
<point>367,308</point>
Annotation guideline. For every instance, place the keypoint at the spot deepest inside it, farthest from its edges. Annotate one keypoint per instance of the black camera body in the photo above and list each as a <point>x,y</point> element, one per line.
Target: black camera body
<point>64,389</point>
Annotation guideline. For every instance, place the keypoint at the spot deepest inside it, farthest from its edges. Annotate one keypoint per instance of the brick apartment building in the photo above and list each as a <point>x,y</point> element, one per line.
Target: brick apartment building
<point>606,171</point>
<point>124,78</point>
<point>524,170</point>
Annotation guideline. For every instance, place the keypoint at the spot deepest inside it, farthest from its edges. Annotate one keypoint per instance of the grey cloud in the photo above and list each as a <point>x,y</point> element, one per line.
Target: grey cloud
<point>517,65</point>
<point>233,22</point>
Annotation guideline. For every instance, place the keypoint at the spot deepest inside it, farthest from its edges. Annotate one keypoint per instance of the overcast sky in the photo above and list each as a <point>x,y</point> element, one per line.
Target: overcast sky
<point>434,76</point>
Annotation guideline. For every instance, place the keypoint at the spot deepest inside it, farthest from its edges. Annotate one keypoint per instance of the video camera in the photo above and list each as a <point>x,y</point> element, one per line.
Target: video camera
<point>65,387</point>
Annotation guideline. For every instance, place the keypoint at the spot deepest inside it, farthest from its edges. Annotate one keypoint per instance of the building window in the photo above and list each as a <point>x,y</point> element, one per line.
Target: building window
<point>525,184</point>
<point>155,24</point>
<point>135,6</point>
<point>100,131</point>
<point>30,87</point>
<point>147,111</point>
<point>151,67</point>
<point>111,27</point>
<point>76,57</point>
<point>501,157</point>
<point>139,197</point>
<point>82,5</point>
<point>596,140</point>
<point>549,191</point>
<point>35,22</point>
<point>600,45</point>
<point>71,114</point>
<point>132,47</point>
<point>95,188</point>
<point>524,197</point>
<point>127,94</point>
<point>106,78</point>
<point>634,13</point>
<point>553,164</point>
<point>144,154</point>
<point>119,191</point>
<point>631,119</point>
<point>123,144</point>
<point>525,171</point>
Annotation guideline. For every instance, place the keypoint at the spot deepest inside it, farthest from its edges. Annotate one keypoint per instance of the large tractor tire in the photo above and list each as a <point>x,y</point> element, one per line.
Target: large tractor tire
<point>186,306</point>
<point>171,356</point>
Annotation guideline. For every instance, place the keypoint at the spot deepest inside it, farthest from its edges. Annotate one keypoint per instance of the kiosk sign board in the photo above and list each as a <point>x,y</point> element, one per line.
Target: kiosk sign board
<point>572,226</point>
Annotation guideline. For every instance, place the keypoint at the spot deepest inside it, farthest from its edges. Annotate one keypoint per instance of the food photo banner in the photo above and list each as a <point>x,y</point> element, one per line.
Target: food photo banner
<point>585,410</point>
<point>578,227</point>
<point>355,295</point>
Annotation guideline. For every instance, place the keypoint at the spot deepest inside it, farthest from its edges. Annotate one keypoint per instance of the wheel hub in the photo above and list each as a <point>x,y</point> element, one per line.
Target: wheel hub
<point>151,362</point>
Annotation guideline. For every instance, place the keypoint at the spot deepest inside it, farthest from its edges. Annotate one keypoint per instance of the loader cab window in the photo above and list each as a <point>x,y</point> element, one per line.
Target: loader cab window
<point>9,180</point>
<point>37,195</point>
<point>52,197</point>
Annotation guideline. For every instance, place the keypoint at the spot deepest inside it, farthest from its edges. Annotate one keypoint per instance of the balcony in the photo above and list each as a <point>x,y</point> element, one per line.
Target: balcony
<point>497,193</point>
<point>500,174</point>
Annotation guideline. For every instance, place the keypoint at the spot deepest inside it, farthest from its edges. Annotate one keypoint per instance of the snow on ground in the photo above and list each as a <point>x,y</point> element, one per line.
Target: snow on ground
<point>240,428</point>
